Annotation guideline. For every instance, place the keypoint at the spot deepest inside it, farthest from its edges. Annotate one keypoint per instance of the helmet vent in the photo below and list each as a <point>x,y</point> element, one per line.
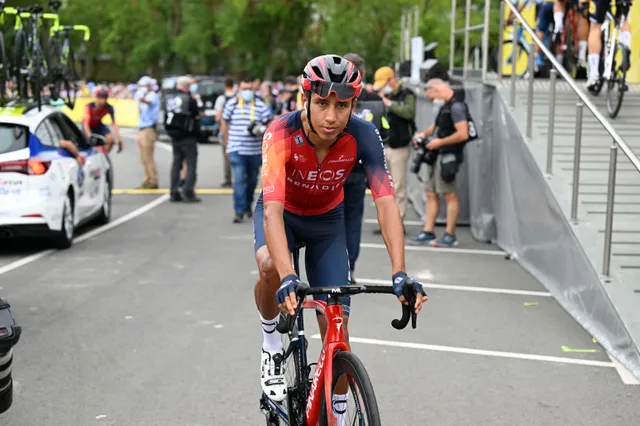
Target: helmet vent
<point>317,71</point>
<point>336,78</point>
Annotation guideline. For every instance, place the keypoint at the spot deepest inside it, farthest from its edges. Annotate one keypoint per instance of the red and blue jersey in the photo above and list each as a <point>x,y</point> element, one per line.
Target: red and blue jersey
<point>291,173</point>
<point>93,116</point>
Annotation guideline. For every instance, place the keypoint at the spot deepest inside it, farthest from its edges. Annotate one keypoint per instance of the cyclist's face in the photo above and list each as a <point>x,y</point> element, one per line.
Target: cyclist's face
<point>329,116</point>
<point>100,102</point>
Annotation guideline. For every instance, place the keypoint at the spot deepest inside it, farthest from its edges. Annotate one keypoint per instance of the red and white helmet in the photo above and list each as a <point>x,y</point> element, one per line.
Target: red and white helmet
<point>328,74</point>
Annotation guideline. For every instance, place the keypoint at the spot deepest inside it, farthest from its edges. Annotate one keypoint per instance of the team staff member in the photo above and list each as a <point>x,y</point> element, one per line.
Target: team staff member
<point>149,107</point>
<point>370,108</point>
<point>94,112</point>
<point>401,106</point>
<point>181,122</point>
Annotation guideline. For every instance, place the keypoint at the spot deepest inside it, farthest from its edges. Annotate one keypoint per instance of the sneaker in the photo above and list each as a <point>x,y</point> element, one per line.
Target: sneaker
<point>175,197</point>
<point>272,380</point>
<point>422,238</point>
<point>592,84</point>
<point>447,240</point>
<point>238,218</point>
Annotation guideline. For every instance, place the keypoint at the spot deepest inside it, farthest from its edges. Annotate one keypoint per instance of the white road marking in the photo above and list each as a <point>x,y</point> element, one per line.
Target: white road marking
<point>406,222</point>
<point>625,375</point>
<point>469,351</point>
<point>132,215</point>
<point>439,249</point>
<point>463,288</point>
<point>165,146</point>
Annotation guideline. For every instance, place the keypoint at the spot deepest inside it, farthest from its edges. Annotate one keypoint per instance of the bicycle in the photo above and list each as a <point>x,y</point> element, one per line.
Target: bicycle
<point>62,62</point>
<point>29,59</point>
<point>568,42</point>
<point>308,399</point>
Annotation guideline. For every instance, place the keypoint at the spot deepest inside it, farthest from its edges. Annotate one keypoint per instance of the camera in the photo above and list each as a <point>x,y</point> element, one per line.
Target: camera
<point>9,337</point>
<point>256,129</point>
<point>424,155</point>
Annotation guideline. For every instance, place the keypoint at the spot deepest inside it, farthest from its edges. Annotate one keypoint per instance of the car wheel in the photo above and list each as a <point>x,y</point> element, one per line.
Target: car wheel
<point>105,211</point>
<point>64,238</point>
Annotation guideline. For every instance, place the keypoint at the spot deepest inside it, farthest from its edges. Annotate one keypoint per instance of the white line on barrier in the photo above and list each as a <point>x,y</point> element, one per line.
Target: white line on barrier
<point>439,249</point>
<point>469,351</point>
<point>465,288</point>
<point>129,216</point>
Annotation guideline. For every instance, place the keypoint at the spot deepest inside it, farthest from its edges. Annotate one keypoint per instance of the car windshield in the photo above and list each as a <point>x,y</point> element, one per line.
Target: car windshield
<point>209,88</point>
<point>12,138</point>
<point>169,83</point>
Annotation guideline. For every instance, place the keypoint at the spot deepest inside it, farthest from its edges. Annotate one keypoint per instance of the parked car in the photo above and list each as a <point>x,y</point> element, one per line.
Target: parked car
<point>44,192</point>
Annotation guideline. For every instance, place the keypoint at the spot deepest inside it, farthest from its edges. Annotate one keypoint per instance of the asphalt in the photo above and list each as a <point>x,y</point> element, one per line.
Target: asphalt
<point>153,323</point>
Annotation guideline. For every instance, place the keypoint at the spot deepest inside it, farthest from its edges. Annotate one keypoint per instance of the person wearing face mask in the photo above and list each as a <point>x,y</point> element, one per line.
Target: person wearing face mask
<point>243,124</point>
<point>400,102</point>
<point>446,137</point>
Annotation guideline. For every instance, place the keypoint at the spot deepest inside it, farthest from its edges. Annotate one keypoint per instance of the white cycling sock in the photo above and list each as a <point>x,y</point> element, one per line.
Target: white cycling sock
<point>582,49</point>
<point>625,39</point>
<point>594,65</point>
<point>558,20</point>
<point>271,340</point>
<point>339,407</point>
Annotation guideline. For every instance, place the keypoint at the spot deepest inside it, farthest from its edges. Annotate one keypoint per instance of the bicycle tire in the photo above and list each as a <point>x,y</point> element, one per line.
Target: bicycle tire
<point>4,71</point>
<point>521,49</point>
<point>295,407</point>
<point>21,62</point>
<point>613,108</point>
<point>37,78</point>
<point>69,78</point>
<point>348,363</point>
<point>55,67</point>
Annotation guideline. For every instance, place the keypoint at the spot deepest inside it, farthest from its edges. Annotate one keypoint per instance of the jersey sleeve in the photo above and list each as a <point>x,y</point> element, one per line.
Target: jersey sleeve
<point>371,152</point>
<point>276,150</point>
<point>112,113</point>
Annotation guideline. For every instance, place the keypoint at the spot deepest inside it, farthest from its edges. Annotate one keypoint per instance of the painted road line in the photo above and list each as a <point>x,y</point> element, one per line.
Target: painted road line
<point>464,288</point>
<point>469,351</point>
<point>165,146</point>
<point>406,222</point>
<point>129,216</point>
<point>625,375</point>
<point>439,249</point>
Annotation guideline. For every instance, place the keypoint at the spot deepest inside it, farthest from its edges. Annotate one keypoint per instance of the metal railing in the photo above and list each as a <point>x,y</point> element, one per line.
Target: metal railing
<point>618,142</point>
<point>466,30</point>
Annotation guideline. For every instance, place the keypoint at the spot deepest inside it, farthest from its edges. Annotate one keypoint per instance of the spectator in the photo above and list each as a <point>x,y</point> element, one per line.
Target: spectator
<point>219,107</point>
<point>447,136</point>
<point>242,117</point>
<point>401,106</point>
<point>149,106</point>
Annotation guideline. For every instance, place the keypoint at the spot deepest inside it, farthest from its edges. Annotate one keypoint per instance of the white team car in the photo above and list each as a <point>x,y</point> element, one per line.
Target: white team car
<point>43,190</point>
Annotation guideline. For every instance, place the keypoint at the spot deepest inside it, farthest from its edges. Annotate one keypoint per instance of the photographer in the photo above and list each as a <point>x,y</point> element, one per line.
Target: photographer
<point>244,122</point>
<point>181,123</point>
<point>441,147</point>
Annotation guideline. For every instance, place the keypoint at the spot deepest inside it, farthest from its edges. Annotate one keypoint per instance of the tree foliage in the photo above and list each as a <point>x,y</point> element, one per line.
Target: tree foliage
<point>266,38</point>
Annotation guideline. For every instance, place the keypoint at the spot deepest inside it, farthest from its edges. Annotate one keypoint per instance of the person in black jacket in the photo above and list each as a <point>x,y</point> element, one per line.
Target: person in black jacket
<point>369,107</point>
<point>181,123</point>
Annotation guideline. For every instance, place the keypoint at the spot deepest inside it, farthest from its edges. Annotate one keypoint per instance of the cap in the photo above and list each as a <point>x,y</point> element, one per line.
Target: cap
<point>144,81</point>
<point>381,77</point>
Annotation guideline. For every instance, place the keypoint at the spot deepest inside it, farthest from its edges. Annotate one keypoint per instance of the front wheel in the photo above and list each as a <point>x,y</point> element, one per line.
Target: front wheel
<point>360,407</point>
<point>615,97</point>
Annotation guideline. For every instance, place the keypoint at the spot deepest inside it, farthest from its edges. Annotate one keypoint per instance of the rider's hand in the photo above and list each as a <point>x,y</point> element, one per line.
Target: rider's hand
<point>81,159</point>
<point>120,145</point>
<point>286,294</point>
<point>399,278</point>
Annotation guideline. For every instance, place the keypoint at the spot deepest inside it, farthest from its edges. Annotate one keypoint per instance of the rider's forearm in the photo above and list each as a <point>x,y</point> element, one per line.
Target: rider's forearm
<point>87,129</point>
<point>392,231</point>
<point>277,238</point>
<point>116,131</point>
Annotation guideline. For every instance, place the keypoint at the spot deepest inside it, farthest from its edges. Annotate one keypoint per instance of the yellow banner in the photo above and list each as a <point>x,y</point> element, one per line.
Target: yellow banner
<point>633,75</point>
<point>126,110</point>
<point>523,40</point>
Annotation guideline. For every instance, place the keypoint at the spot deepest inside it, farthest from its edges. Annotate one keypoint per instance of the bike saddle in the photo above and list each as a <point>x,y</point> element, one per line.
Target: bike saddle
<point>55,5</point>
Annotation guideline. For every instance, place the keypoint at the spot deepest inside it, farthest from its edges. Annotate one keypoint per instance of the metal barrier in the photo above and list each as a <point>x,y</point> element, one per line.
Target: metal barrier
<point>466,30</point>
<point>618,142</point>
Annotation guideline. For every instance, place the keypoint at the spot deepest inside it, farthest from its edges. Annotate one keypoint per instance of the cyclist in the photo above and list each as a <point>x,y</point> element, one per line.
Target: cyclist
<point>307,156</point>
<point>94,112</point>
<point>581,8</point>
<point>598,10</point>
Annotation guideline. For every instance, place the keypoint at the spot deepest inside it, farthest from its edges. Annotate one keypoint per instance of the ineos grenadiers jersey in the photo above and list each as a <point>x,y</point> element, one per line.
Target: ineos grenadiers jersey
<point>291,173</point>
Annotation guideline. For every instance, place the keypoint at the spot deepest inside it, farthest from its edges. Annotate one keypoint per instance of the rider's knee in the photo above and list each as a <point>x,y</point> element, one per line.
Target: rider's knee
<point>267,268</point>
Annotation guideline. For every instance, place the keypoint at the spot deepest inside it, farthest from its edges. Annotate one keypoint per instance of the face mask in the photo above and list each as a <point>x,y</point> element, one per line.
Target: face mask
<point>247,95</point>
<point>386,90</point>
<point>438,103</point>
<point>193,88</point>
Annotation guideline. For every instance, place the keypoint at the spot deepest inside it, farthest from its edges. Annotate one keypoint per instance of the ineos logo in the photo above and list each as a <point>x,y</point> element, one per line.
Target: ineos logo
<point>323,175</point>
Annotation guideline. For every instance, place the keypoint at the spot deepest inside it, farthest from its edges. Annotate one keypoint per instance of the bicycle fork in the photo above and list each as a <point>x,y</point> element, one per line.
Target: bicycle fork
<point>610,48</point>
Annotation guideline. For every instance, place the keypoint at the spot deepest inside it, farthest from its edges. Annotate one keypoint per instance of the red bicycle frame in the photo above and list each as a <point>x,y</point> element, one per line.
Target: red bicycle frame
<point>323,376</point>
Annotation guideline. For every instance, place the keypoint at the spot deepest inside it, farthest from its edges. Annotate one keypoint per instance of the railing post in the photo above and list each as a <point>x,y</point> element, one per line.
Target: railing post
<point>500,39</point>
<point>467,22</point>
<point>576,162</point>
<point>552,116</point>
<point>608,228</point>
<point>485,39</point>
<point>514,57</point>
<point>452,36</point>
<point>530,97</point>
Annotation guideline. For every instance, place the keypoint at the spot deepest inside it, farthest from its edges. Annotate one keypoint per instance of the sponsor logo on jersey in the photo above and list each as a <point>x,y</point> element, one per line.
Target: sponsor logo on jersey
<point>298,140</point>
<point>269,189</point>
<point>342,159</point>
<point>324,180</point>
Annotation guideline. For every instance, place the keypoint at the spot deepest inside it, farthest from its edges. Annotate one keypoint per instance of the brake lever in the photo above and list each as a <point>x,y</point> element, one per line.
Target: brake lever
<point>286,321</point>
<point>408,310</point>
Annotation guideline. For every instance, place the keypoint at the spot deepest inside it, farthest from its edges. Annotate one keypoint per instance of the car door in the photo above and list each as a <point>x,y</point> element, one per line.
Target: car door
<point>90,198</point>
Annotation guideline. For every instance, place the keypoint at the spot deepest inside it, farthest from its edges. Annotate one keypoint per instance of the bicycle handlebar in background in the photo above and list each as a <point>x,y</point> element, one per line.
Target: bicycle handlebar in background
<point>85,29</point>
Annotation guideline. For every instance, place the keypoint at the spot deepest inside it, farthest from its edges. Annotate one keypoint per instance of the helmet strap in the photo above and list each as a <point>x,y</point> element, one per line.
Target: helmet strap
<point>308,95</point>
